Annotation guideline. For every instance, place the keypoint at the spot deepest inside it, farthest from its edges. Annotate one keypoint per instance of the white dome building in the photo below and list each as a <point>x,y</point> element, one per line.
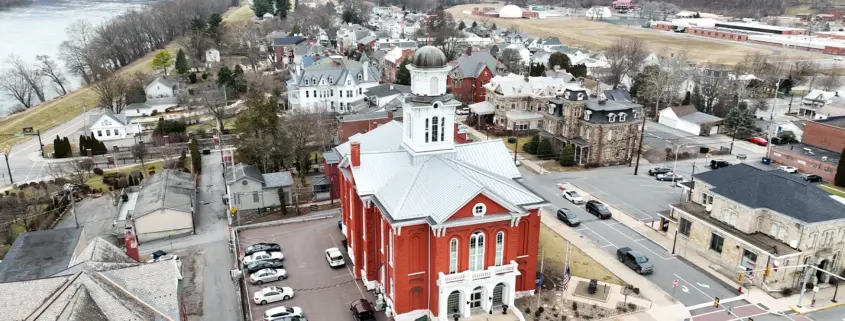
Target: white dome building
<point>510,11</point>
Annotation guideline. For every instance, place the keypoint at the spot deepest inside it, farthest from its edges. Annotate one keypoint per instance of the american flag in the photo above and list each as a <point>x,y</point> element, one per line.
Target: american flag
<point>566,278</point>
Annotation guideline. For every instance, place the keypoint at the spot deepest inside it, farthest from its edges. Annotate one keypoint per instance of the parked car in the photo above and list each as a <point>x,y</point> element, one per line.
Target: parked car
<point>565,215</point>
<point>272,294</point>
<point>260,265</point>
<point>669,177</point>
<point>659,170</point>
<point>573,197</point>
<point>334,257</point>
<point>283,314</point>
<point>634,260</point>
<point>268,275</point>
<point>719,163</point>
<point>759,141</point>
<point>788,169</point>
<point>362,310</point>
<point>462,111</point>
<point>598,209</point>
<point>776,141</point>
<point>262,247</point>
<point>812,178</point>
<point>262,256</point>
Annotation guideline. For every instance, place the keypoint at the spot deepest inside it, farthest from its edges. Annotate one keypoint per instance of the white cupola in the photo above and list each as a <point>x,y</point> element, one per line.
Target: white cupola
<point>429,113</point>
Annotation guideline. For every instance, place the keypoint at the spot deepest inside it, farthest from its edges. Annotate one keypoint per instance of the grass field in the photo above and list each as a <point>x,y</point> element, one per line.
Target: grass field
<point>96,181</point>
<point>554,255</point>
<point>597,35</point>
<point>832,189</point>
<point>63,109</point>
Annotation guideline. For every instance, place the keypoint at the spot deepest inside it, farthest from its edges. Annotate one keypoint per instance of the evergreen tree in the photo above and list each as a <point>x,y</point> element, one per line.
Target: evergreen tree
<point>181,64</point>
<point>462,25</point>
<point>82,144</point>
<point>567,157</point>
<point>559,59</point>
<point>57,147</point>
<point>68,151</point>
<point>282,7</point>
<point>494,26</point>
<point>839,179</point>
<point>687,99</point>
<point>578,71</point>
<point>740,121</point>
<point>262,7</point>
<point>697,99</point>
<point>544,148</point>
<point>225,77</point>
<point>537,69</point>
<point>403,75</point>
<point>474,25</point>
<point>531,146</point>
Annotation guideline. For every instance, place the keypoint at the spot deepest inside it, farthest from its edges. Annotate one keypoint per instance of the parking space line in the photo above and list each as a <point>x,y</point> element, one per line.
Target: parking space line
<point>640,240</point>
<point>614,223</point>
<point>350,270</point>
<point>646,247</point>
<point>341,276</point>
<point>599,235</point>
<point>607,246</point>
<point>580,229</point>
<point>711,312</point>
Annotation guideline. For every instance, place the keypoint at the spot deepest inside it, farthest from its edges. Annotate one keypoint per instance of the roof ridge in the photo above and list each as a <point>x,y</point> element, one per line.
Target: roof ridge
<point>494,176</point>
<point>409,187</point>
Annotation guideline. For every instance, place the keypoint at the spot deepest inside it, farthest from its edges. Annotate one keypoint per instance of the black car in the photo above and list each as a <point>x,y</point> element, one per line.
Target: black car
<point>634,260</point>
<point>260,265</point>
<point>565,215</point>
<point>719,163</point>
<point>659,170</point>
<point>362,310</point>
<point>812,178</point>
<point>598,209</point>
<point>262,247</point>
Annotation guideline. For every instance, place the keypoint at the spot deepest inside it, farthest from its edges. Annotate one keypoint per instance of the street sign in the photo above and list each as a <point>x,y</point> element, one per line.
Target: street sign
<point>674,283</point>
<point>816,289</point>
<point>6,149</point>
<point>28,130</point>
<point>19,135</point>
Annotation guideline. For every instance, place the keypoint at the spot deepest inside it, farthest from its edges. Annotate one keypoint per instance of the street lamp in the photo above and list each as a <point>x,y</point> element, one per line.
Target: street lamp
<point>69,189</point>
<point>675,164</point>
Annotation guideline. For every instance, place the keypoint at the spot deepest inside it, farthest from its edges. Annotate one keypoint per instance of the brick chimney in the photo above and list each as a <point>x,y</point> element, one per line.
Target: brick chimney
<point>356,153</point>
<point>389,115</point>
<point>131,245</point>
<point>372,125</point>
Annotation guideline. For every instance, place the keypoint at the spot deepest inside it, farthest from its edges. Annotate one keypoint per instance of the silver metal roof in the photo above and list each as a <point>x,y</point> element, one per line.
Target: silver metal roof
<point>170,189</point>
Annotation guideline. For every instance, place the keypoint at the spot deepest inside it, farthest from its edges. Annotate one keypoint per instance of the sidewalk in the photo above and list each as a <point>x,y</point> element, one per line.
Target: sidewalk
<point>753,295</point>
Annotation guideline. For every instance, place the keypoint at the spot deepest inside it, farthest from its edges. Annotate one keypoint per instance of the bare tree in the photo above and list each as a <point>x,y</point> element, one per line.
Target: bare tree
<point>75,171</point>
<point>77,51</point>
<point>29,74</point>
<point>711,86</point>
<point>16,87</point>
<point>667,9</point>
<point>214,100</point>
<point>50,69</point>
<point>112,91</point>
<point>248,42</point>
<point>830,82</point>
<point>512,60</point>
<point>302,130</point>
<point>624,55</point>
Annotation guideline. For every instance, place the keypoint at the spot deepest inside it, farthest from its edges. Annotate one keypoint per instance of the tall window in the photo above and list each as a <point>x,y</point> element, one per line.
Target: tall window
<point>442,128</point>
<point>453,256</point>
<point>777,231</point>
<point>434,127</point>
<point>500,248</point>
<point>426,130</point>
<point>434,84</point>
<point>716,243</point>
<point>390,246</point>
<point>476,251</point>
<point>685,227</point>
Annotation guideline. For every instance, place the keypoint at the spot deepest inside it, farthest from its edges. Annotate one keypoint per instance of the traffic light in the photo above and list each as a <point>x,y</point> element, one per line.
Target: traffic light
<point>768,271</point>
<point>716,302</point>
<point>740,277</point>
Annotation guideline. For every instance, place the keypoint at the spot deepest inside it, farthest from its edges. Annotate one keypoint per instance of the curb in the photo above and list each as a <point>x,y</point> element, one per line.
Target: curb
<point>835,305</point>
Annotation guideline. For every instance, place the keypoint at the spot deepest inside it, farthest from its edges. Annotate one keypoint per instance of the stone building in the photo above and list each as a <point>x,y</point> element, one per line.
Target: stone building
<point>745,220</point>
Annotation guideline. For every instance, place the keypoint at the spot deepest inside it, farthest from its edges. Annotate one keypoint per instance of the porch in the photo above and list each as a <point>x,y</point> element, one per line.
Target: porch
<point>472,294</point>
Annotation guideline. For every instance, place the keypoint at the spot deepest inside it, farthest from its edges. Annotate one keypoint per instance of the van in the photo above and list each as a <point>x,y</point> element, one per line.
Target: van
<point>362,310</point>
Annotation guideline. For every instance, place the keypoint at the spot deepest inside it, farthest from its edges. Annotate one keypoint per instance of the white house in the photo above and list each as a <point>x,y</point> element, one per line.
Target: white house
<point>688,119</point>
<point>212,57</point>
<point>250,190</point>
<point>161,87</point>
<point>161,93</point>
<point>333,84</point>
<point>165,206</point>
<point>111,126</point>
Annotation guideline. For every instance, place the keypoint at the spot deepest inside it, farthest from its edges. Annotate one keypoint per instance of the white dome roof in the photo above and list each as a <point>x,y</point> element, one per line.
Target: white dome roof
<point>510,11</point>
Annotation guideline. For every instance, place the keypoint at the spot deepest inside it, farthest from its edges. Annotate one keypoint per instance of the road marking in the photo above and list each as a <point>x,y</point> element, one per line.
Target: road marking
<point>606,246</point>
<point>693,286</point>
<point>614,223</point>
<point>710,304</point>
<point>645,247</point>
<point>599,235</point>
<point>684,288</point>
<point>341,276</point>
<point>640,240</point>
<point>580,229</point>
<point>703,285</point>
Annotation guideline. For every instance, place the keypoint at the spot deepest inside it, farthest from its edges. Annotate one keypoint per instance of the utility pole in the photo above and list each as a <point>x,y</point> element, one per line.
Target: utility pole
<point>72,204</point>
<point>9,169</point>
<point>40,144</point>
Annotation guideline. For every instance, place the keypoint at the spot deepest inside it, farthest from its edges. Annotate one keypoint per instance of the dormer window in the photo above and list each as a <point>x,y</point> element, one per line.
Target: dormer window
<point>314,80</point>
<point>306,82</point>
<point>587,114</point>
<point>359,77</point>
<point>552,109</point>
<point>622,117</point>
<point>331,79</point>
<point>580,96</point>
<point>611,117</point>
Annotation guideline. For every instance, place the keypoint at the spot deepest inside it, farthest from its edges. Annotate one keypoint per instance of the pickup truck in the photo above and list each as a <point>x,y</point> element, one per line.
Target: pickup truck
<point>634,260</point>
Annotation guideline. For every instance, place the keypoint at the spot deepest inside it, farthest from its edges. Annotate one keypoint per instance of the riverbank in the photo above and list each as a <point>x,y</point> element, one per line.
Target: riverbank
<point>62,109</point>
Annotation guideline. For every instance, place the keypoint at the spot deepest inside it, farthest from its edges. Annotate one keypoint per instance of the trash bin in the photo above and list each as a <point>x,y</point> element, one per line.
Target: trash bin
<point>340,224</point>
<point>767,161</point>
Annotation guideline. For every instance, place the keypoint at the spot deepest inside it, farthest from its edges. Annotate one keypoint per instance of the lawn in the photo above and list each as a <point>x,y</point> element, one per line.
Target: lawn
<point>833,189</point>
<point>211,124</point>
<point>63,109</point>
<point>96,181</point>
<point>553,248</point>
<point>522,141</point>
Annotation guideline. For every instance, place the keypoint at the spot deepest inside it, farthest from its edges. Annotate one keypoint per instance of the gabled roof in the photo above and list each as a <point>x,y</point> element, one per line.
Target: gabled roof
<point>775,190</point>
<point>287,41</point>
<point>241,170</point>
<point>120,118</point>
<point>164,81</point>
<point>277,179</point>
<point>39,254</point>
<point>385,90</point>
<point>471,65</point>
<point>170,189</point>
<point>335,70</point>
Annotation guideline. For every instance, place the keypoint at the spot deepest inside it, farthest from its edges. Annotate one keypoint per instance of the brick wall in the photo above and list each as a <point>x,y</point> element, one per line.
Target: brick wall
<point>718,34</point>
<point>346,129</point>
<point>804,163</point>
<point>824,135</point>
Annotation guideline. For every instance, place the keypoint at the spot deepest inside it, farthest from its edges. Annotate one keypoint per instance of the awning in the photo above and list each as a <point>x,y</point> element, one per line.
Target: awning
<point>482,108</point>
<point>520,115</point>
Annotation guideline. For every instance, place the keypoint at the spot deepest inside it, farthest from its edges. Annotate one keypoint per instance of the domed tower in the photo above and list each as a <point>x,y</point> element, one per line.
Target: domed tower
<point>429,113</point>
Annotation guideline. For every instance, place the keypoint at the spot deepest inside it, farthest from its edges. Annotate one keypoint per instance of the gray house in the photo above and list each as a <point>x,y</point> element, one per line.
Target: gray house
<point>249,189</point>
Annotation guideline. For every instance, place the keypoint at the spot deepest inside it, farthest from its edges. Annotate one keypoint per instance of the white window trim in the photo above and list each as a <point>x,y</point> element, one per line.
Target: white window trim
<point>611,118</point>
<point>390,248</point>
<point>478,257</point>
<point>454,250</point>
<point>500,248</point>
<point>479,209</point>
<point>381,231</point>
<point>364,224</point>
<point>623,117</point>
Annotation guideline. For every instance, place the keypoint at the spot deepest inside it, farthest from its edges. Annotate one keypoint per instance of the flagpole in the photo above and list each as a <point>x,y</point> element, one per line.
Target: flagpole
<point>540,289</point>
<point>566,268</point>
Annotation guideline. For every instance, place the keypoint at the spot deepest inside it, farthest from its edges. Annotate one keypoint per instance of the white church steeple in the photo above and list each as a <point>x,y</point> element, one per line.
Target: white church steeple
<point>429,113</point>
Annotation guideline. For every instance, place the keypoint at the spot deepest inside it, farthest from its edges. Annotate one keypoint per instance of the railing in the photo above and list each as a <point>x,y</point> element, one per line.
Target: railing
<point>469,276</point>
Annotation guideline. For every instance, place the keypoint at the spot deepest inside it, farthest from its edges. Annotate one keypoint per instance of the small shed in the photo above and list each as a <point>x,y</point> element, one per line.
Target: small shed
<point>320,187</point>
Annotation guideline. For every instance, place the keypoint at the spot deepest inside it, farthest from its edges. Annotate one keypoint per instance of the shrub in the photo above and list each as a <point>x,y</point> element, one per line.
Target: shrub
<point>567,156</point>
<point>637,291</point>
<point>574,306</point>
<point>531,146</point>
<point>528,310</point>
<point>544,148</point>
<point>511,140</point>
<point>98,171</point>
<point>537,313</point>
<point>541,309</point>
<point>787,292</point>
<point>632,307</point>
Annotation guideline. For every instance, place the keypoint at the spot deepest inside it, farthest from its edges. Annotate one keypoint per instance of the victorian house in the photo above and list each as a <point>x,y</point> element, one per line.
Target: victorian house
<point>334,84</point>
<point>436,228</point>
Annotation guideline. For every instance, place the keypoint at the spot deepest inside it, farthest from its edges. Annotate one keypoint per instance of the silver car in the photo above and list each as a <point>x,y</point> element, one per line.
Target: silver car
<point>268,275</point>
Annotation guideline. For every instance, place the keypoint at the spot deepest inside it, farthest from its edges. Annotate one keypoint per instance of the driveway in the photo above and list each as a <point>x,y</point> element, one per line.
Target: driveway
<point>658,137</point>
<point>323,293</point>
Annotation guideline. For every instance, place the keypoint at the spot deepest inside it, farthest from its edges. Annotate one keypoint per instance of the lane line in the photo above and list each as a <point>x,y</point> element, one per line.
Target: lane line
<point>602,237</point>
<point>693,286</point>
<point>646,247</point>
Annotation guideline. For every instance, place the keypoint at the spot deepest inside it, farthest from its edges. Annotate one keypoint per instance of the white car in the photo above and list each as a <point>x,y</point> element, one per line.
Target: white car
<point>788,169</point>
<point>573,197</point>
<point>462,111</point>
<point>283,314</point>
<point>262,256</point>
<point>164,258</point>
<point>334,257</point>
<point>268,275</point>
<point>272,294</point>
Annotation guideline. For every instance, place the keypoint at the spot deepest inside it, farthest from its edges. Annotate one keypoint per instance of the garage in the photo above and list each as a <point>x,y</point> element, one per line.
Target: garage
<point>165,206</point>
<point>690,120</point>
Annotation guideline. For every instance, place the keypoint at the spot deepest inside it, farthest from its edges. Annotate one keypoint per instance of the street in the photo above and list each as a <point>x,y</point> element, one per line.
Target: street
<point>658,137</point>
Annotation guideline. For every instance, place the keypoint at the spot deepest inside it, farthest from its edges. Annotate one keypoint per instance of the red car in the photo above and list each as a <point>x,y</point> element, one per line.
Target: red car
<point>759,141</point>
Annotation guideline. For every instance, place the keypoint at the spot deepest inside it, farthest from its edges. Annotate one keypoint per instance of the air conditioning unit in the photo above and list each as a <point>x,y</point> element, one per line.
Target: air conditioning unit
<point>708,208</point>
<point>824,158</point>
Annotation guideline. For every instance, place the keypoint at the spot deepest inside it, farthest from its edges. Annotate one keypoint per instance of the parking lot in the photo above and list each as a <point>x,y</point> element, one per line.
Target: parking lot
<point>323,293</point>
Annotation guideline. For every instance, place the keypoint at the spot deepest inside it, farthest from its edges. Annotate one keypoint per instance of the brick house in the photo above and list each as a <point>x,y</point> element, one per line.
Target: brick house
<point>392,61</point>
<point>819,151</point>
<point>437,228</point>
<point>285,50</point>
<point>785,221</point>
<point>471,72</point>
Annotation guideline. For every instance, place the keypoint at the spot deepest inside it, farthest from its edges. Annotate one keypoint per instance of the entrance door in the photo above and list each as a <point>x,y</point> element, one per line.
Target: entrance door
<point>475,298</point>
<point>498,293</point>
<point>452,302</point>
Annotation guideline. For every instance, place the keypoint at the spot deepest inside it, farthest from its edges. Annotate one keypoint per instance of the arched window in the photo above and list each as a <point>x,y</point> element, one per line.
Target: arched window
<point>453,256</point>
<point>442,128</point>
<point>306,82</point>
<point>435,125</point>
<point>476,251</point>
<point>331,79</point>
<point>479,209</point>
<point>500,248</point>
<point>359,77</point>
<point>434,84</point>
<point>811,241</point>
